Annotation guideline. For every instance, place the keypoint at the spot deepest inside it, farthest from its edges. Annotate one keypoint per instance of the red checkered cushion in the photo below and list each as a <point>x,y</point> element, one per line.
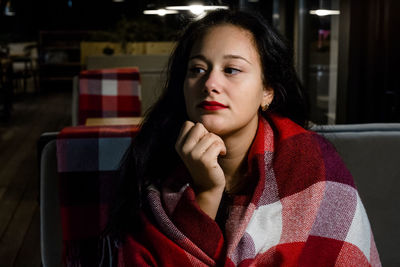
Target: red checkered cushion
<point>109,93</point>
<point>89,159</point>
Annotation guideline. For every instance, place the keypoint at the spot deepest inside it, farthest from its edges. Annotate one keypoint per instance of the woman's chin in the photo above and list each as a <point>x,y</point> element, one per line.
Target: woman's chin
<point>217,127</point>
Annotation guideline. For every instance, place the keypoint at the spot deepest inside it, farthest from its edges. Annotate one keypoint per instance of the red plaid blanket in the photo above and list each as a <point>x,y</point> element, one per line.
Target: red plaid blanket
<point>109,93</point>
<point>305,211</point>
<point>88,164</point>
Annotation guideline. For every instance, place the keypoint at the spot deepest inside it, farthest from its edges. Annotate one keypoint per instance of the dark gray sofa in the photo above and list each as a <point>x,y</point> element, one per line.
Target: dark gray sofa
<point>370,151</point>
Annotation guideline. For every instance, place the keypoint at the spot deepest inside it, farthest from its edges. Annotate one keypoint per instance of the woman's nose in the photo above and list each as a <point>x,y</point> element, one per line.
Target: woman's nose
<point>213,82</point>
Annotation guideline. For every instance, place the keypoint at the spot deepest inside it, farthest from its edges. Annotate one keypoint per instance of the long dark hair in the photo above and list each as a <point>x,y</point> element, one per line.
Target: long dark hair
<point>152,155</point>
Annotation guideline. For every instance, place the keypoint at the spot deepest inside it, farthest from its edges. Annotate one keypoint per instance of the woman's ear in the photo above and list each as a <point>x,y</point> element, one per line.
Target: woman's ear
<point>268,96</point>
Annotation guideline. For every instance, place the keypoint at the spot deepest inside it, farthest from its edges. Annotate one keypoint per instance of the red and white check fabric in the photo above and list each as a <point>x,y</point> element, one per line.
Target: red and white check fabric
<point>305,211</point>
<point>88,162</point>
<point>109,93</point>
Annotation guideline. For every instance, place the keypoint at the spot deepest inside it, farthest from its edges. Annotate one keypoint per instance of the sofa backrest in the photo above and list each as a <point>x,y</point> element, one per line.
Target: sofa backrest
<point>370,151</point>
<point>88,158</point>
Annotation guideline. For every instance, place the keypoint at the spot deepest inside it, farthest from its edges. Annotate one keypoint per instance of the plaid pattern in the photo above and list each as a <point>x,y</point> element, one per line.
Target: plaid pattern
<point>109,93</point>
<point>88,162</point>
<point>305,211</point>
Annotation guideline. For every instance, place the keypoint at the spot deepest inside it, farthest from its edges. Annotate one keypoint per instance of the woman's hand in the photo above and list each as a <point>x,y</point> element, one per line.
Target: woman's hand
<point>199,150</point>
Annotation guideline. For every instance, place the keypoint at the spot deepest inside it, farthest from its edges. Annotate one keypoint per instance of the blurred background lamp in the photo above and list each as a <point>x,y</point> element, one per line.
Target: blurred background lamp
<point>8,9</point>
<point>159,12</point>
<point>196,8</point>
<point>324,8</point>
<point>324,12</point>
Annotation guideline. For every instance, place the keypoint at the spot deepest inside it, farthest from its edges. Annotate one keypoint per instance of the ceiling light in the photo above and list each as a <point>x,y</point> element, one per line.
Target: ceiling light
<point>324,12</point>
<point>196,9</point>
<point>160,12</point>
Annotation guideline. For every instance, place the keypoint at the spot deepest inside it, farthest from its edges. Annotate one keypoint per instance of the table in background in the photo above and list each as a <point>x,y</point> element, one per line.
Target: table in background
<point>113,121</point>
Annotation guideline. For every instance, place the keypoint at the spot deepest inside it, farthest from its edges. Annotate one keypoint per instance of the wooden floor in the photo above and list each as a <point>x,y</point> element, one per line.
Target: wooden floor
<point>32,115</point>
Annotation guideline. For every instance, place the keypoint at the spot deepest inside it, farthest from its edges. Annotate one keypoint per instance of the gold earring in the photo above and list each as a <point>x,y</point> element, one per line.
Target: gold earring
<point>265,107</point>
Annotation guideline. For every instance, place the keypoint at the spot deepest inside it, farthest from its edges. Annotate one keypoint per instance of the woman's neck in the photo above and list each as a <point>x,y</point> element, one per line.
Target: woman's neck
<point>234,163</point>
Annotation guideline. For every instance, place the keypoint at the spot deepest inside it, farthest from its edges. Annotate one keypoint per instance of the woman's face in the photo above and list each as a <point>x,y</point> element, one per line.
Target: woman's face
<point>223,86</point>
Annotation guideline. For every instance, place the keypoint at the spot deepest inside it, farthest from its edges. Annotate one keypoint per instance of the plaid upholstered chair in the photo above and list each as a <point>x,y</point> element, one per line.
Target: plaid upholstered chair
<point>79,173</point>
<point>108,93</point>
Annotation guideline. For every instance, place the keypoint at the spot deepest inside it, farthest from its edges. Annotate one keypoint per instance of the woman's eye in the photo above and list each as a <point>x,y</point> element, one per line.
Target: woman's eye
<point>197,70</point>
<point>232,71</point>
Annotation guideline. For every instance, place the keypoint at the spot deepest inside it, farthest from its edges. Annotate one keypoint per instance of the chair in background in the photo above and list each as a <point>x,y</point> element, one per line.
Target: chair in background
<point>50,220</point>
<point>24,68</point>
<point>108,93</point>
<point>88,159</point>
<point>78,178</point>
<point>6,88</point>
<point>152,68</point>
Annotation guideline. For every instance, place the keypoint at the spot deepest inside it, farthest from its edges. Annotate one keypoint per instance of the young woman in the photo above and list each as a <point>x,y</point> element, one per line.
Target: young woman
<point>223,173</point>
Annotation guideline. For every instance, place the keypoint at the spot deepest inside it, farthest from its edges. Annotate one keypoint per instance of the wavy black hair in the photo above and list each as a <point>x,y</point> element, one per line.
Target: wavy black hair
<point>152,156</point>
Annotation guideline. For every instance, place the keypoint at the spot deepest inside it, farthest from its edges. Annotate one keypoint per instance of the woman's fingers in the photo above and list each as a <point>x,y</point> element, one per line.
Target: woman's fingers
<point>205,143</point>
<point>210,155</point>
<point>194,140</point>
<point>191,137</point>
<point>187,125</point>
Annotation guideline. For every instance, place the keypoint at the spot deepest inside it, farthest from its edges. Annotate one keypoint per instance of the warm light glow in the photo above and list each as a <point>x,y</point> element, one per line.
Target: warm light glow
<point>324,12</point>
<point>160,12</point>
<point>196,9</point>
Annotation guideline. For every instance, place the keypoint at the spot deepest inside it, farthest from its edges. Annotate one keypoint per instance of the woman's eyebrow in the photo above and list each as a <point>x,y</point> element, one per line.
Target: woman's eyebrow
<point>201,57</point>
<point>237,57</point>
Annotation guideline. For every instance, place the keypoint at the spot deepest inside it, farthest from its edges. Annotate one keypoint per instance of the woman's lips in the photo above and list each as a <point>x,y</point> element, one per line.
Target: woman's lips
<point>212,105</point>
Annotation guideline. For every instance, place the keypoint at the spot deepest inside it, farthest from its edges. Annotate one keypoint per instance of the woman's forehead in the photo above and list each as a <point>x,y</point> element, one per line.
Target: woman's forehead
<point>226,37</point>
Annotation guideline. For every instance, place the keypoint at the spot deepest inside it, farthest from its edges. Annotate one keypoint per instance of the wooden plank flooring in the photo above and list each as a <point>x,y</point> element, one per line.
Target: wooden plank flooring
<point>19,175</point>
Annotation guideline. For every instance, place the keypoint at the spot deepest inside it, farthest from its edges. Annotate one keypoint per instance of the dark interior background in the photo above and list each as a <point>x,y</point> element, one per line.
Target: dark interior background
<point>369,56</point>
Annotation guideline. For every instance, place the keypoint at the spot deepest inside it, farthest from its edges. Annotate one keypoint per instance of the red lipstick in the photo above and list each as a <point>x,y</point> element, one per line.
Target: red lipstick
<point>212,105</point>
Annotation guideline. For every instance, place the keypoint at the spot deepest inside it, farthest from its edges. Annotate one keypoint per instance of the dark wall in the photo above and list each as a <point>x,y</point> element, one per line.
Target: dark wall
<point>24,23</point>
<point>32,16</point>
<point>86,14</point>
<point>370,87</point>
